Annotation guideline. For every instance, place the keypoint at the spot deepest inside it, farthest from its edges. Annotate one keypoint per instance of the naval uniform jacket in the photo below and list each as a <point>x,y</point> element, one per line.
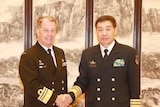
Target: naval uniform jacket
<point>42,81</point>
<point>111,81</point>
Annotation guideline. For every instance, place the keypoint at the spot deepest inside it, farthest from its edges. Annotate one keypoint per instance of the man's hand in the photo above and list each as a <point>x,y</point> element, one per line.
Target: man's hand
<point>63,100</point>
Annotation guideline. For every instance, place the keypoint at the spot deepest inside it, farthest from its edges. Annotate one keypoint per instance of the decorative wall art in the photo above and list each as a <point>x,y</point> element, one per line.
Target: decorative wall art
<point>71,15</point>
<point>11,47</point>
<point>150,72</point>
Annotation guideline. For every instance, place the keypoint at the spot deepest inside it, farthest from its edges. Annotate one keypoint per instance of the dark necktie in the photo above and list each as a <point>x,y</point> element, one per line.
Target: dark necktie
<point>105,51</point>
<point>49,51</point>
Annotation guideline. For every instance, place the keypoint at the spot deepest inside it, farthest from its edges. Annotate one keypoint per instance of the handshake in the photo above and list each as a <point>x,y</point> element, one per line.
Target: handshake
<point>63,100</point>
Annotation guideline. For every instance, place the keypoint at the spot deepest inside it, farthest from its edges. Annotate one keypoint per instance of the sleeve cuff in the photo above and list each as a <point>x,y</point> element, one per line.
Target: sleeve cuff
<point>44,95</point>
<point>135,102</point>
<point>76,90</point>
<point>72,95</point>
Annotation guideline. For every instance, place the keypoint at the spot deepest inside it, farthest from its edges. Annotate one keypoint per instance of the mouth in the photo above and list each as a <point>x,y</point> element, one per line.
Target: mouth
<point>49,39</point>
<point>105,38</point>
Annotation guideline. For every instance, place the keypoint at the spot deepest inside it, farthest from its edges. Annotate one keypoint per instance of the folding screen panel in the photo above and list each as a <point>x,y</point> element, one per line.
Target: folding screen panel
<point>150,72</point>
<point>11,47</point>
<point>123,11</point>
<point>71,37</point>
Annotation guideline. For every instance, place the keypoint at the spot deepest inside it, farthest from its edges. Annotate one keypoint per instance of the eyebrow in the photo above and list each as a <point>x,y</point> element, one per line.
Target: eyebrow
<point>105,26</point>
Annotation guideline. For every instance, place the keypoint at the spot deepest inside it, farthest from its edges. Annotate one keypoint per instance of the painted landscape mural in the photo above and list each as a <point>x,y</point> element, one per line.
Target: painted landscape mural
<point>71,37</point>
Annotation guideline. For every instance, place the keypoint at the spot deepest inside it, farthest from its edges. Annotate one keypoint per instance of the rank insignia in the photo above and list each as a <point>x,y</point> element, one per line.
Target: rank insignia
<point>92,63</point>
<point>64,63</point>
<point>44,95</point>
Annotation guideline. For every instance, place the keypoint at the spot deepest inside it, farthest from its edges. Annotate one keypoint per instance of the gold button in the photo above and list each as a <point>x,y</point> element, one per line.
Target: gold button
<point>62,88</point>
<point>98,79</point>
<point>113,98</point>
<point>53,89</point>
<point>53,104</point>
<point>113,89</point>
<point>98,98</point>
<point>52,83</point>
<point>62,82</point>
<point>113,79</point>
<point>98,89</point>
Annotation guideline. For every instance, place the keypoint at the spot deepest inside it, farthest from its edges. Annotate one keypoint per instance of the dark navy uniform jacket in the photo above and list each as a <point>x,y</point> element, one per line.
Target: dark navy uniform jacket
<point>42,81</point>
<point>111,81</point>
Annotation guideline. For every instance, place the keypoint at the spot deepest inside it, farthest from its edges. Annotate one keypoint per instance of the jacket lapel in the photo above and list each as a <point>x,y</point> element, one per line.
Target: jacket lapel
<point>98,59</point>
<point>58,59</point>
<point>41,51</point>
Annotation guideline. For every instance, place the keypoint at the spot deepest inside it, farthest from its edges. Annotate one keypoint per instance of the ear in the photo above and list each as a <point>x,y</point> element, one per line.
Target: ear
<point>37,32</point>
<point>115,33</point>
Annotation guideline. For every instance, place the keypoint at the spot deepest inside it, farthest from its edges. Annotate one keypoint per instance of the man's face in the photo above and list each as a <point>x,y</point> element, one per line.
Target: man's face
<point>46,33</point>
<point>105,33</point>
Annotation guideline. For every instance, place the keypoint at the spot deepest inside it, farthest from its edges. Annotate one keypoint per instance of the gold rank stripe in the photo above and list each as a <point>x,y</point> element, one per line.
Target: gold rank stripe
<point>76,90</point>
<point>44,95</point>
<point>135,101</point>
<point>135,105</point>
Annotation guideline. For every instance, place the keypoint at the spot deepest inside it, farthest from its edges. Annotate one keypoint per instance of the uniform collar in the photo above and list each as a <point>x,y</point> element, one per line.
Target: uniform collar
<point>109,48</point>
<point>46,47</point>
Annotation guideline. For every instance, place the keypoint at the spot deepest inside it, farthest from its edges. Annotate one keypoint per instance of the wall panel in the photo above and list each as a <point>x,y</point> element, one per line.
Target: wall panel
<point>11,47</point>
<point>150,72</point>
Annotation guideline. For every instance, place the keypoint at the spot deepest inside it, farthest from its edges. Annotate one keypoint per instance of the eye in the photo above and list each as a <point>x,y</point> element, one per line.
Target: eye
<point>53,30</point>
<point>45,30</point>
<point>100,29</point>
<point>108,29</point>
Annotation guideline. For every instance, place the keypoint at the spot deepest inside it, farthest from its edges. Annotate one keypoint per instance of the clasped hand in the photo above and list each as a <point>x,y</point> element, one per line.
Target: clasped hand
<point>63,100</point>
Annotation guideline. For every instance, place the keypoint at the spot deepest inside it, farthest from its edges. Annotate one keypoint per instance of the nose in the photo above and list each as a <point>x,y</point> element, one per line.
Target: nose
<point>104,33</point>
<point>50,32</point>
